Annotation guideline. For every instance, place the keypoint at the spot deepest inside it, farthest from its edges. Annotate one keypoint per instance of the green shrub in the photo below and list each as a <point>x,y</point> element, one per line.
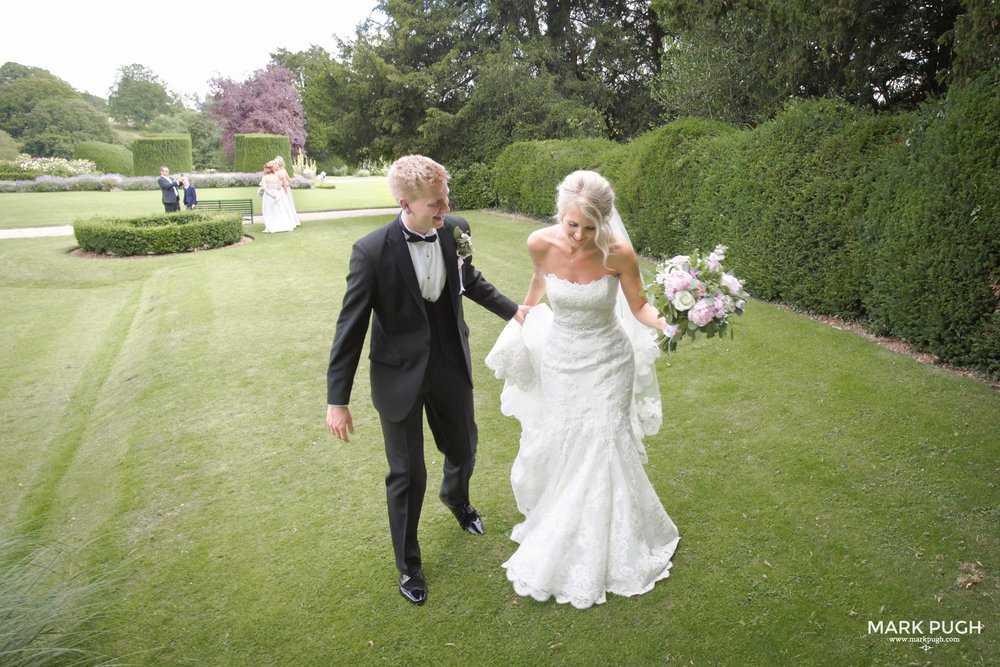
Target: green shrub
<point>527,172</point>
<point>472,187</point>
<point>15,174</point>
<point>155,151</point>
<point>252,151</point>
<point>658,209</point>
<point>933,228</point>
<point>9,148</point>
<point>159,234</point>
<point>109,158</point>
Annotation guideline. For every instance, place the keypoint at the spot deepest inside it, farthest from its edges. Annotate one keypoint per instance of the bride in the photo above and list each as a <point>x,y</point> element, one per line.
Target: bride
<point>581,380</point>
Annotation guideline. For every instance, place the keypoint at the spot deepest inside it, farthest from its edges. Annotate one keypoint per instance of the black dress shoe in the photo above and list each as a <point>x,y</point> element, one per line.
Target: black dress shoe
<point>469,518</point>
<point>413,587</point>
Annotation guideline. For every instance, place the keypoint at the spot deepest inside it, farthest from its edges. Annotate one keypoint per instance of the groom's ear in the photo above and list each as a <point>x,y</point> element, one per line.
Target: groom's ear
<point>403,204</point>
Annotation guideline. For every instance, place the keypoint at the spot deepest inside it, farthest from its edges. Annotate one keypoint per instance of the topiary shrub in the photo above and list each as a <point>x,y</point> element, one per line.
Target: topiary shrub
<point>252,151</point>
<point>158,234</point>
<point>527,172</point>
<point>472,187</point>
<point>109,158</point>
<point>155,151</point>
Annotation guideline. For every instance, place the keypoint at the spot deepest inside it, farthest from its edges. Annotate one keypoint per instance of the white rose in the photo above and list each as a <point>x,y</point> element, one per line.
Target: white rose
<point>683,300</point>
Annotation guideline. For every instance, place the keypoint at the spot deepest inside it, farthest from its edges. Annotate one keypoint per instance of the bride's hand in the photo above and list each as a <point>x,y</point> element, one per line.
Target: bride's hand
<point>522,312</point>
<point>669,330</point>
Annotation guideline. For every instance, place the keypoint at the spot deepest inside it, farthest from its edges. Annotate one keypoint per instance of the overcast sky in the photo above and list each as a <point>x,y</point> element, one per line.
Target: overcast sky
<point>183,43</point>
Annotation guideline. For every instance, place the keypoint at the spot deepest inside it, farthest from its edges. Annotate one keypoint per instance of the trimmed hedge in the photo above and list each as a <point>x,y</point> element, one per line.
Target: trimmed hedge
<point>890,220</point>
<point>159,234</point>
<point>933,231</point>
<point>109,158</point>
<point>158,150</point>
<point>252,151</point>
<point>472,187</point>
<point>527,172</point>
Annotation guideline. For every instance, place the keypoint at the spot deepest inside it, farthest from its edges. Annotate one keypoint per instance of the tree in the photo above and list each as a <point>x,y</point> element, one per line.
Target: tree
<point>138,96</point>
<point>513,100</point>
<point>21,89</point>
<point>266,103</point>
<point>55,125</point>
<point>404,80</point>
<point>886,55</point>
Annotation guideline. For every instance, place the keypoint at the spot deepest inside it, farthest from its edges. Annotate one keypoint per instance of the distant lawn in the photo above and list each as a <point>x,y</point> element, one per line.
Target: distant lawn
<point>36,209</point>
<point>171,408</point>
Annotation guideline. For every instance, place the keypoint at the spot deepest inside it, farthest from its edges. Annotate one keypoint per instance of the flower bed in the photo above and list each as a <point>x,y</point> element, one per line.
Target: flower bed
<point>158,234</point>
<point>109,182</point>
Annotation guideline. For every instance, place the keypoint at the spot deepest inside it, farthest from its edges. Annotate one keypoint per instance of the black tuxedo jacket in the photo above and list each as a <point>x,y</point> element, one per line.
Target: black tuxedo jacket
<point>382,286</point>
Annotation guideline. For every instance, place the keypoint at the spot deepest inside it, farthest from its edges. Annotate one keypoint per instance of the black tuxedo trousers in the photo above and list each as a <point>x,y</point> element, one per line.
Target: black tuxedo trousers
<point>446,397</point>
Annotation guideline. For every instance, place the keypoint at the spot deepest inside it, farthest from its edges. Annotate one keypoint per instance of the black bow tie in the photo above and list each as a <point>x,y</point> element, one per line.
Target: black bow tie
<point>414,238</point>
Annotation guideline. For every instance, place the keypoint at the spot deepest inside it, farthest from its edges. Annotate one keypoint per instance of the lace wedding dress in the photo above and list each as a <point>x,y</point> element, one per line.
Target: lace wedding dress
<point>585,392</point>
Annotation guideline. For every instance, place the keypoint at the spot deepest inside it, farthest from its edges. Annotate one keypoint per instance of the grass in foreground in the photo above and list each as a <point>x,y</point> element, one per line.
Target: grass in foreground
<point>172,409</point>
<point>37,209</point>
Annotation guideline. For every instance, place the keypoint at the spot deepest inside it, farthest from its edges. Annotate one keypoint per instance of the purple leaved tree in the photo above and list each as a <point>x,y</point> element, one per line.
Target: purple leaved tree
<point>266,103</point>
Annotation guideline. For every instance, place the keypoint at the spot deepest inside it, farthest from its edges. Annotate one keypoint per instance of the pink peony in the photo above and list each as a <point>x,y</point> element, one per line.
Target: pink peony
<point>730,282</point>
<point>702,313</point>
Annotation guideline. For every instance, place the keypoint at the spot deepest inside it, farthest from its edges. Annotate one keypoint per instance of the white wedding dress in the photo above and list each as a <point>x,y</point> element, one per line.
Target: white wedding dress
<point>277,215</point>
<point>581,380</point>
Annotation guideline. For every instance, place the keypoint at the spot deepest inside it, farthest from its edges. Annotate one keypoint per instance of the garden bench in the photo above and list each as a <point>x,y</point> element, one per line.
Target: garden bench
<point>245,206</point>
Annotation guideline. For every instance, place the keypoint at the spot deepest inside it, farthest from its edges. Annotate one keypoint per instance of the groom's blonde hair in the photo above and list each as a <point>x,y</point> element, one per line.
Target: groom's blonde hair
<point>412,174</point>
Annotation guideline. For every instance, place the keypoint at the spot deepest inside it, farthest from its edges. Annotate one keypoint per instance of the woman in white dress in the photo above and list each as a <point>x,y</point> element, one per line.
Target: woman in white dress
<point>276,215</point>
<point>581,379</point>
<point>286,183</point>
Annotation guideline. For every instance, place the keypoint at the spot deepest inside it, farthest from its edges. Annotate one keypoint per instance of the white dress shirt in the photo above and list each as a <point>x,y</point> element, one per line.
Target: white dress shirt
<point>428,263</point>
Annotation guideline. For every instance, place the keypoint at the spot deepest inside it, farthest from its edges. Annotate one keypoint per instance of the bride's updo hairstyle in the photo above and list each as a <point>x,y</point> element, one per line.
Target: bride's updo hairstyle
<point>593,195</point>
<point>411,174</point>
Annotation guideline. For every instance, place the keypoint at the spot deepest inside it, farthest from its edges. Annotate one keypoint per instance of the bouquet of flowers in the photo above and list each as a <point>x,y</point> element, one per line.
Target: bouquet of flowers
<point>695,295</point>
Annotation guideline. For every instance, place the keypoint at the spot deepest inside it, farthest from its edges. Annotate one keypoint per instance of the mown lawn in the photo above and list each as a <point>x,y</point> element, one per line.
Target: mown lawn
<point>36,209</point>
<point>171,409</point>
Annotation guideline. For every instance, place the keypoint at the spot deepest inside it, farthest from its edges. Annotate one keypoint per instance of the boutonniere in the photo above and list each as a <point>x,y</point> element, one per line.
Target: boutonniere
<point>463,243</point>
<point>463,246</point>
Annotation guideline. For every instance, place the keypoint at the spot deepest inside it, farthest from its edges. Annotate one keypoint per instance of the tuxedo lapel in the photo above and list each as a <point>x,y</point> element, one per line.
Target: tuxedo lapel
<point>450,255</point>
<point>396,244</point>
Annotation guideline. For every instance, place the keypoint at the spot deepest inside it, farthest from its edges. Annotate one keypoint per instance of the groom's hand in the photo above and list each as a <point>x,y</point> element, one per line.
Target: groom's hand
<point>522,312</point>
<point>338,420</point>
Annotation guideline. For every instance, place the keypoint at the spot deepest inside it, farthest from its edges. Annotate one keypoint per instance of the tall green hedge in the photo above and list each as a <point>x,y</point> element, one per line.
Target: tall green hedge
<point>254,150</point>
<point>889,220</point>
<point>109,158</point>
<point>527,172</point>
<point>158,150</point>
<point>934,231</point>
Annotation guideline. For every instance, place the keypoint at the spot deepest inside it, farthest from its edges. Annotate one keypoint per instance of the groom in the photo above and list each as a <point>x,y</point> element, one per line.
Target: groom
<point>405,278</point>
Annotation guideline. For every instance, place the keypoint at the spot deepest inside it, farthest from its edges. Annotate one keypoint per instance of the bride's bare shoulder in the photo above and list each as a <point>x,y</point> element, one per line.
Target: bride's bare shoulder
<point>541,240</point>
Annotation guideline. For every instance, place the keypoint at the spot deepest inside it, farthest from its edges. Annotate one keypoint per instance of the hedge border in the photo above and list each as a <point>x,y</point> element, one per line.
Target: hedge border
<point>162,234</point>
